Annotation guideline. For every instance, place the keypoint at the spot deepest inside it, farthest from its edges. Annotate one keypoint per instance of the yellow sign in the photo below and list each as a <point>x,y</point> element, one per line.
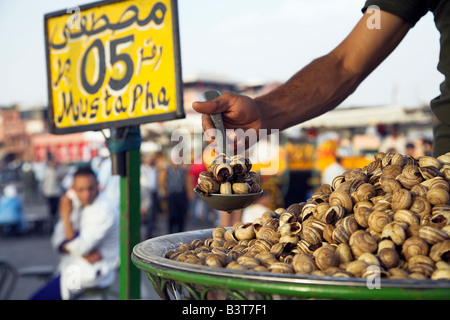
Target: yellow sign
<point>113,64</point>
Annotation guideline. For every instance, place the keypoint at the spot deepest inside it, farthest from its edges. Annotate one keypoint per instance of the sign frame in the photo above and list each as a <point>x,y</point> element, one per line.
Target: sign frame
<point>177,114</point>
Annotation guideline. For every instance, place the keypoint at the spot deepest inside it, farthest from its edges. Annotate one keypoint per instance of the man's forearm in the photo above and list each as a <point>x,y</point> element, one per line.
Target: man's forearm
<point>319,87</point>
<point>68,229</point>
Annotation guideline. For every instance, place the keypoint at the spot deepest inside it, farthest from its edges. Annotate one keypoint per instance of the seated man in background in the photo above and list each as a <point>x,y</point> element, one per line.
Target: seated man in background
<point>87,236</point>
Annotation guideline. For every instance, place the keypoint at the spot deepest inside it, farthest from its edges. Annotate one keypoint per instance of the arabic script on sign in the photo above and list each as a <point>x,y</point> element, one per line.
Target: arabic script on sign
<point>111,63</point>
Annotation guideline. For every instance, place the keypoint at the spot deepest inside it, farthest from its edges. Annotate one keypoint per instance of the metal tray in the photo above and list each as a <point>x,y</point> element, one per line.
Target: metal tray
<point>177,280</point>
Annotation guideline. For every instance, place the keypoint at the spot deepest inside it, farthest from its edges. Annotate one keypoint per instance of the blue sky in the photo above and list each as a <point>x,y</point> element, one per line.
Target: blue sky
<point>243,40</point>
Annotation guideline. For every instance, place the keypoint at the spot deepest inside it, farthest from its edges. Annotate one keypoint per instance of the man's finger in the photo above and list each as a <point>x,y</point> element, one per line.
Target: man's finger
<point>217,105</point>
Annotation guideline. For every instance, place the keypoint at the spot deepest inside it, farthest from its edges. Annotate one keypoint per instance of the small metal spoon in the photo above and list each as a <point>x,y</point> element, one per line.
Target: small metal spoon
<point>225,202</point>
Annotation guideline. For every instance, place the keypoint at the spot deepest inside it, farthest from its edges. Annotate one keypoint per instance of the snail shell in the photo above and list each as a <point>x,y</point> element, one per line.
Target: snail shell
<point>248,262</point>
<point>281,267</point>
<point>344,253</point>
<point>222,172</point>
<point>389,258</point>
<point>296,209</point>
<point>432,235</point>
<point>421,264</point>
<point>325,258</point>
<point>444,159</point>
<point>287,217</point>
<point>303,263</point>
<point>440,251</point>
<point>207,184</point>
<point>292,238</point>
<point>234,265</point>
<point>397,273</point>
<point>311,235</point>
<point>255,187</point>
<point>255,177</point>
<point>355,175</point>
<point>395,232</point>
<point>361,241</point>
<point>266,258</point>
<point>219,233</point>
<point>261,245</point>
<point>401,199</point>
<point>325,188</point>
<point>421,206</point>
<point>230,235</point>
<point>426,161</point>
<point>440,274</point>
<point>371,167</point>
<point>419,190</point>
<point>356,267</point>
<point>414,246</point>
<point>440,219</point>
<point>308,211</point>
<point>225,188</point>
<point>268,215</point>
<point>406,216</point>
<point>341,198</point>
<point>378,220</point>
<point>362,216</point>
<point>389,184</point>
<point>429,172</point>
<point>438,182</point>
<point>391,171</point>
<point>238,165</point>
<point>369,258</point>
<point>320,210</point>
<point>344,229</point>
<point>278,249</point>
<point>320,197</point>
<point>241,188</point>
<point>437,196</point>
<point>290,228</point>
<point>337,181</point>
<point>245,232</point>
<point>398,159</point>
<point>215,260</point>
<point>333,214</point>
<point>266,231</point>
<point>328,233</point>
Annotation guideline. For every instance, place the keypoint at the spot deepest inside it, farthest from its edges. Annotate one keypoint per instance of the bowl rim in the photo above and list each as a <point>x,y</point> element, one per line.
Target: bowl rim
<point>149,254</point>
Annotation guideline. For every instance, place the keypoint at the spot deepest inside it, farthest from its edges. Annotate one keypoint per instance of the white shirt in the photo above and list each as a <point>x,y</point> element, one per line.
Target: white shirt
<point>332,171</point>
<point>98,229</point>
<point>252,212</point>
<point>50,185</point>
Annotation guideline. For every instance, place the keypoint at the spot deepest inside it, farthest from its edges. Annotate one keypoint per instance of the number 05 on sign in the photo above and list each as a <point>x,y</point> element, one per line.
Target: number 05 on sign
<point>113,64</point>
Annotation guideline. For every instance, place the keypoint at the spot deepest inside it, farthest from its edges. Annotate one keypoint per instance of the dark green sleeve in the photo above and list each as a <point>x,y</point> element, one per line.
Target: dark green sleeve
<point>409,10</point>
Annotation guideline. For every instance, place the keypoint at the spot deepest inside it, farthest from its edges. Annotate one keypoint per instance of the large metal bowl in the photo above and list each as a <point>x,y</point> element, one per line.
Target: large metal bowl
<point>177,280</point>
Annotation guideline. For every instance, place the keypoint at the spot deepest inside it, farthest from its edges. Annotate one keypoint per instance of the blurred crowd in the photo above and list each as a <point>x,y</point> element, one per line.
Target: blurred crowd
<point>166,192</point>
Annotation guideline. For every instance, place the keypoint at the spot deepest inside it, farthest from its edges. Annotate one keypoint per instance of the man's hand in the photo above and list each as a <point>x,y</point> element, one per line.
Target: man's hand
<point>93,256</point>
<point>65,209</point>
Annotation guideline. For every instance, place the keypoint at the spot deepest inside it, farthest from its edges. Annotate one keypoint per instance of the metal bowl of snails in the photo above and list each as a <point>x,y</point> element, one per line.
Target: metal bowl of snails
<point>378,232</point>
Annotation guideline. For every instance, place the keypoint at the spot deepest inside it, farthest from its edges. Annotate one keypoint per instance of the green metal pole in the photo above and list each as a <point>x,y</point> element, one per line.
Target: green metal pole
<point>130,276</point>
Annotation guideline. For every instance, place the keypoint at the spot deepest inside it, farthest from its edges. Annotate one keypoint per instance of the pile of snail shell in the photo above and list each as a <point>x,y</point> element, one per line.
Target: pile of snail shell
<point>394,214</point>
<point>228,175</point>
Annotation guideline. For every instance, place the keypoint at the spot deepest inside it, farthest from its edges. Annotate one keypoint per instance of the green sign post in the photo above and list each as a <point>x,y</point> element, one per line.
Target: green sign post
<point>115,65</point>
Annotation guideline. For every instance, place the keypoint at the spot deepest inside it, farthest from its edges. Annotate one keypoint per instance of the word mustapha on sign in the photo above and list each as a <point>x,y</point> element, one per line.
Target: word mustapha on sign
<point>113,64</point>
